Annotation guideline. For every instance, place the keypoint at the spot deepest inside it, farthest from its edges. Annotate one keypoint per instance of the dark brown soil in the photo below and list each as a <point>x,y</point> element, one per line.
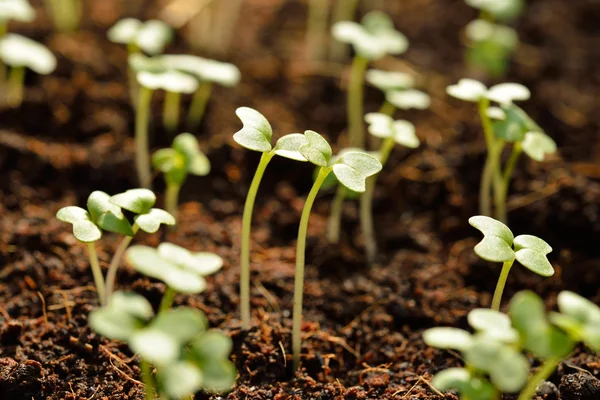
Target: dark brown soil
<point>362,329</point>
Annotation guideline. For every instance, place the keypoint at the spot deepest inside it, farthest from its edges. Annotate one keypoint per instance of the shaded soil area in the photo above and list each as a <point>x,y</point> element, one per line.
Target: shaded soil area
<point>362,326</point>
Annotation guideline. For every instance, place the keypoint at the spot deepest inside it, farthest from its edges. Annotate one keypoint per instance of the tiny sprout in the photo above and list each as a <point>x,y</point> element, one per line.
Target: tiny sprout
<point>151,36</point>
<point>66,14</point>
<point>500,245</point>
<point>579,317</point>
<point>181,270</point>
<point>372,39</point>
<point>407,99</point>
<point>17,10</point>
<point>19,52</point>
<point>182,158</point>
<point>491,46</point>
<point>500,10</point>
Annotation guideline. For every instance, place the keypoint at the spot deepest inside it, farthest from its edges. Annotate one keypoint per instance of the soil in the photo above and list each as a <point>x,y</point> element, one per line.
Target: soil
<point>362,326</point>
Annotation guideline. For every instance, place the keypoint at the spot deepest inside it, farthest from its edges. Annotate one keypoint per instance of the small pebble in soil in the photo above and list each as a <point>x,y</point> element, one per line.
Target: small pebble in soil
<point>9,335</point>
<point>547,391</point>
<point>579,386</point>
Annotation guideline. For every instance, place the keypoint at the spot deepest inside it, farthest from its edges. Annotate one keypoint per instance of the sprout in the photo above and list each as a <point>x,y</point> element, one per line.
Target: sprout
<point>181,270</point>
<point>256,135</point>
<point>372,39</point>
<point>17,10</point>
<point>502,10</point>
<point>151,36</point>
<point>491,46</point>
<point>351,169</point>
<point>182,158</point>
<point>500,245</point>
<point>579,318</point>
<point>66,14</point>
<point>407,99</point>
<point>19,52</point>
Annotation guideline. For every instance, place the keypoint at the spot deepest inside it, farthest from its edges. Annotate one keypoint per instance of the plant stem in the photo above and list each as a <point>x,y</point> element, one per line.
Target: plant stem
<point>335,215</point>
<point>111,275</point>
<point>316,29</point>
<point>142,155</point>
<point>198,105</point>
<point>343,10</point>
<point>245,247</point>
<point>2,66</point>
<point>388,109</point>
<point>147,379</point>
<point>542,374</point>
<point>134,86</point>
<point>485,187</point>
<point>497,299</point>
<point>167,299</point>
<point>300,255</point>
<point>171,111</point>
<point>65,13</point>
<point>502,191</point>
<point>14,88</point>
<point>355,102</point>
<point>172,198</point>
<point>97,272</point>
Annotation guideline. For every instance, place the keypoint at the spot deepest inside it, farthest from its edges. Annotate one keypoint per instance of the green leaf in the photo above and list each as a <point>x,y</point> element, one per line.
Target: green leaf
<point>493,324</point>
<point>256,133</point>
<point>288,146</point>
<point>389,80</point>
<point>506,93</point>
<point>196,162</point>
<point>151,221</point>
<point>509,371</point>
<point>380,125</point>
<point>124,31</point>
<point>450,379</point>
<point>202,263</point>
<point>106,215</point>
<point>536,262</point>
<point>316,150</point>
<point>447,338</point>
<point>404,134</point>
<point>574,328</point>
<point>132,304</point>
<point>218,376</point>
<point>354,167</point>
<point>408,98</point>
<point>153,36</point>
<point>165,160</point>
<point>84,229</point>
<point>204,69</point>
<point>169,80</point>
<point>155,346</point>
<point>113,324</point>
<point>139,201</point>
<point>212,345</point>
<point>467,90</point>
<point>182,324</point>
<point>533,243</point>
<point>497,240</point>
<point>490,226</point>
<point>180,379</point>
<point>578,307</point>
<point>537,144</point>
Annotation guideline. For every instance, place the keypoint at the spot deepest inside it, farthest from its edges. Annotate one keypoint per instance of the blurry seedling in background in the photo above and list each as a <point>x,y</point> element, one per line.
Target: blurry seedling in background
<point>500,245</point>
<point>256,136</point>
<point>343,10</point>
<point>182,158</point>
<point>186,356</point>
<point>19,52</point>
<point>66,14</point>
<point>351,169</point>
<point>181,270</point>
<point>174,83</point>
<point>388,81</point>
<point>316,29</point>
<point>392,132</point>
<point>372,39</point>
<point>490,46</point>
<point>14,10</point>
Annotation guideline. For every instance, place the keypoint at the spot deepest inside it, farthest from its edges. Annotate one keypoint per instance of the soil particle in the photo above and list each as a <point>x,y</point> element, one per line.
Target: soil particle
<point>19,380</point>
<point>579,386</point>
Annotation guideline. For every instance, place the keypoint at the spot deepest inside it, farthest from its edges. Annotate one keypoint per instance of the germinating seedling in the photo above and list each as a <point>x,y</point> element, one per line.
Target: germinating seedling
<point>182,158</point>
<point>185,355</point>
<point>256,136</point>
<point>66,14</point>
<point>14,10</point>
<point>500,245</point>
<point>372,39</point>
<point>181,270</point>
<point>491,46</point>
<point>19,52</point>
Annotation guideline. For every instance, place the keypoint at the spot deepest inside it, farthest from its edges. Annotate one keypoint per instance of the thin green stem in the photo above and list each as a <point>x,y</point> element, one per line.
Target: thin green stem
<point>171,111</point>
<point>113,267</point>
<point>316,29</point>
<point>334,222</point>
<point>14,88</point>
<point>142,153</point>
<point>388,109</point>
<point>147,379</point>
<point>172,198</point>
<point>487,175</point>
<point>355,102</point>
<point>343,10</point>
<point>542,374</point>
<point>198,105</point>
<point>96,272</point>
<point>2,66</point>
<point>300,255</point>
<point>497,299</point>
<point>502,191</point>
<point>245,246</point>
<point>167,300</point>
<point>134,86</point>
<point>65,13</point>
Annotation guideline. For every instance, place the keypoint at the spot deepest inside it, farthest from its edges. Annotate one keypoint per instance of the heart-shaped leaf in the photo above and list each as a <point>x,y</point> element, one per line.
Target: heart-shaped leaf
<point>182,324</point>
<point>316,150</point>
<point>84,229</point>
<point>493,324</point>
<point>153,36</point>
<point>288,146</point>
<point>537,144</point>
<point>404,134</point>
<point>180,379</point>
<point>151,221</point>
<point>256,133</point>
<point>125,313</point>
<point>139,201</point>
<point>535,261</point>
<point>506,93</point>
<point>578,307</point>
<point>196,162</point>
<point>155,346</point>
<point>106,215</point>
<point>202,263</point>
<point>497,240</point>
<point>467,90</point>
<point>409,98</point>
<point>354,167</point>
<point>389,80</point>
<point>124,31</point>
<point>380,125</point>
<point>170,81</point>
<point>448,338</point>
<point>204,69</point>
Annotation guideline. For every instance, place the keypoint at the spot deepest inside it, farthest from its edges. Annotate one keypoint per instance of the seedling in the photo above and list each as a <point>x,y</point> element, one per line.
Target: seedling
<point>66,14</point>
<point>256,136</point>
<point>505,10</point>
<point>392,132</point>
<point>351,169</point>
<point>500,245</point>
<point>173,83</point>
<point>17,10</point>
<point>372,39</point>
<point>182,158</point>
<point>491,46</point>
<point>181,270</point>
<point>186,356</point>
<point>19,52</point>
<point>387,82</point>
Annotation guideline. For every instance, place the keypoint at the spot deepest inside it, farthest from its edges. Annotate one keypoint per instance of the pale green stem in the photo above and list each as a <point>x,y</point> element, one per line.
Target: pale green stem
<point>316,29</point>
<point>497,299</point>
<point>300,255</point>
<point>388,109</point>
<point>502,191</point>
<point>334,222</point>
<point>147,379</point>
<point>14,88</point>
<point>487,175</point>
<point>245,247</point>
<point>355,102</point>
<point>171,111</point>
<point>96,272</point>
<point>172,198</point>
<point>134,86</point>
<point>113,267</point>
<point>542,374</point>
<point>65,13</point>
<point>198,105</point>
<point>343,10</point>
<point>167,300</point>
<point>142,153</point>
<point>2,66</point>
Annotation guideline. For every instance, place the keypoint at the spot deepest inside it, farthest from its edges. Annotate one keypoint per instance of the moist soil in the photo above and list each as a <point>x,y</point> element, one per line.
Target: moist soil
<point>362,326</point>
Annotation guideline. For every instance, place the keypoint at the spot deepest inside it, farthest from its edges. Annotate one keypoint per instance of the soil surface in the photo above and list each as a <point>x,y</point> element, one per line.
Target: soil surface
<point>362,326</point>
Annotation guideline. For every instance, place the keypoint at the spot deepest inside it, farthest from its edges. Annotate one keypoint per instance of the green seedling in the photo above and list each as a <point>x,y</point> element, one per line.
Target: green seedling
<point>14,10</point>
<point>500,245</point>
<point>579,317</point>
<point>388,82</point>
<point>19,52</point>
<point>186,356</point>
<point>495,10</point>
<point>256,136</point>
<point>391,132</point>
<point>490,46</point>
<point>66,14</point>
<point>351,169</point>
<point>182,158</point>
<point>174,83</point>
<point>181,270</point>
<point>372,39</point>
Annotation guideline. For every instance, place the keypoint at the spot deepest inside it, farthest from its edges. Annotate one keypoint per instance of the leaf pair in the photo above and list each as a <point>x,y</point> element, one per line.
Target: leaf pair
<point>182,158</point>
<point>151,36</point>
<point>400,131</point>
<point>473,91</point>
<point>579,317</point>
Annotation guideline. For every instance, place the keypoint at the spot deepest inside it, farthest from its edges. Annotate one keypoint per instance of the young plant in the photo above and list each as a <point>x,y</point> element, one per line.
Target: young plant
<point>392,132</point>
<point>19,52</point>
<point>181,270</point>
<point>186,356</point>
<point>15,10</point>
<point>491,46</point>
<point>182,158</point>
<point>388,82</point>
<point>372,39</point>
<point>66,14</point>
<point>500,245</point>
<point>256,136</point>
<point>174,83</point>
<point>351,169</point>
